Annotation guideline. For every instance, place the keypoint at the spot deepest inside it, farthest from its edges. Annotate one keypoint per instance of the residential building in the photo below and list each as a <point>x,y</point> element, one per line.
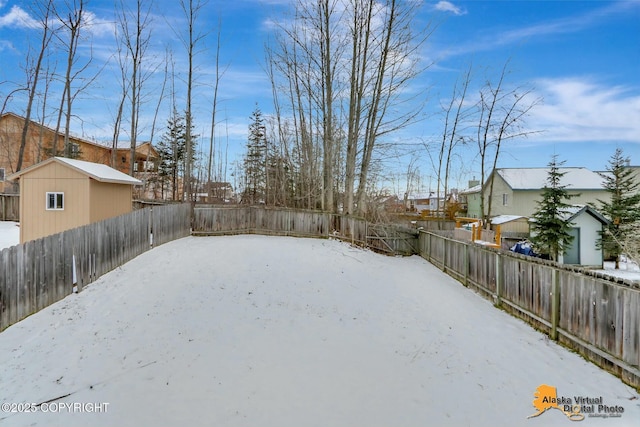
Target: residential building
<point>60,193</point>
<point>516,191</point>
<point>42,143</point>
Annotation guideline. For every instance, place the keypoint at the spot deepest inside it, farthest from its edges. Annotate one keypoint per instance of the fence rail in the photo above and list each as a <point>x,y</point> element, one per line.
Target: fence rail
<point>43,271</point>
<point>596,316</point>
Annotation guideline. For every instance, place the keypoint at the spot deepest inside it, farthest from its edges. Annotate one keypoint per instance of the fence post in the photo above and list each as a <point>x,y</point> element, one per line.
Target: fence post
<point>466,264</point>
<point>498,301</point>
<point>444,255</point>
<point>555,303</point>
<point>150,227</point>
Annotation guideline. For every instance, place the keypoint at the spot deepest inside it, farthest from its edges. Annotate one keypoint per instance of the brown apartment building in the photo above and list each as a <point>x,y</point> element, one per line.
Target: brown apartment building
<point>40,146</point>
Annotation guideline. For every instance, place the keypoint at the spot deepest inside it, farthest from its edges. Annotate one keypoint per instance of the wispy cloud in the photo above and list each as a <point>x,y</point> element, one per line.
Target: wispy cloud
<point>447,6</point>
<point>18,18</point>
<point>566,25</point>
<point>580,110</point>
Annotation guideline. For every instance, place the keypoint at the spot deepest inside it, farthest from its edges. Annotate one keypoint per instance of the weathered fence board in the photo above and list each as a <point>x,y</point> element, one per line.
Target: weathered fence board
<point>38,273</point>
<point>9,207</point>
<point>598,317</point>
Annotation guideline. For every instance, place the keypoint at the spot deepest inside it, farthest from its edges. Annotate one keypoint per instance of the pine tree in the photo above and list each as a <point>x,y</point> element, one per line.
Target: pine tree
<point>550,229</point>
<point>623,207</point>
<point>172,151</point>
<point>255,161</point>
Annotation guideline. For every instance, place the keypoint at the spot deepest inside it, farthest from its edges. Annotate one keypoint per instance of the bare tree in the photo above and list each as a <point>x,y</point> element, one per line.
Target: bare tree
<point>190,41</point>
<point>44,12</point>
<point>135,35</point>
<point>72,23</point>
<point>454,134</point>
<point>214,110</point>
<point>384,61</point>
<point>502,113</point>
<point>346,65</point>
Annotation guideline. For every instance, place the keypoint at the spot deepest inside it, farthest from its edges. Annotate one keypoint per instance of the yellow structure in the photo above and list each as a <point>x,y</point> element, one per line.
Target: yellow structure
<point>59,194</point>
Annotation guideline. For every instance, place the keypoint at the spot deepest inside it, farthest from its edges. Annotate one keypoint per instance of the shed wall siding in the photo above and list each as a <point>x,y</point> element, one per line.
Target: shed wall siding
<point>109,200</point>
<point>36,220</point>
<point>590,255</point>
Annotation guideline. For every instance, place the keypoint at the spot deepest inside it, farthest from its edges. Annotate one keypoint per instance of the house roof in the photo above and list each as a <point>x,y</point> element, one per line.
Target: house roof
<point>97,171</point>
<point>577,178</point>
<point>474,189</point>
<point>502,219</point>
<point>425,196</point>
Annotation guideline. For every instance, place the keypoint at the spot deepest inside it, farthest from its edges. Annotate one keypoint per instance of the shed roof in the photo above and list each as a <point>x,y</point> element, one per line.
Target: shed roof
<point>576,210</point>
<point>577,178</point>
<point>97,171</point>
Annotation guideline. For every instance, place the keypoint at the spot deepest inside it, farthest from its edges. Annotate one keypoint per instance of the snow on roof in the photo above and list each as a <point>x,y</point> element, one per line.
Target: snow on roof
<point>536,178</point>
<point>501,219</point>
<point>99,172</point>
<point>575,210</point>
<point>474,189</point>
<point>429,195</point>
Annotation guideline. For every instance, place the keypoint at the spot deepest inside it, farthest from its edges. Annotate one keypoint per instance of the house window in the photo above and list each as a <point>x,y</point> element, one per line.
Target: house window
<point>75,150</point>
<point>505,199</point>
<point>1,174</point>
<point>55,201</point>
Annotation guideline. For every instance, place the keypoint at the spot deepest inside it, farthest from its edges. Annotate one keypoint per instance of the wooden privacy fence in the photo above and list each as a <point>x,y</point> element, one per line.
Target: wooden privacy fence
<point>594,315</point>
<point>385,238</point>
<point>40,272</point>
<point>9,207</point>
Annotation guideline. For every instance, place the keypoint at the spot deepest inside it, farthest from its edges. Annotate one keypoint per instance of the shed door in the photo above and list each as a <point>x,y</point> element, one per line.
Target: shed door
<point>572,253</point>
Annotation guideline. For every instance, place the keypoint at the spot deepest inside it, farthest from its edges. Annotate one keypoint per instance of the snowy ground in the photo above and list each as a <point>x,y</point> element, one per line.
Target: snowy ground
<point>275,331</point>
<point>628,270</point>
<point>9,234</point>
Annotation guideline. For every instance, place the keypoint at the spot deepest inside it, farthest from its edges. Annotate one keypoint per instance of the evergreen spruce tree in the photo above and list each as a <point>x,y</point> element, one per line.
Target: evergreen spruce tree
<point>550,230</point>
<point>172,151</point>
<point>622,208</point>
<point>255,161</point>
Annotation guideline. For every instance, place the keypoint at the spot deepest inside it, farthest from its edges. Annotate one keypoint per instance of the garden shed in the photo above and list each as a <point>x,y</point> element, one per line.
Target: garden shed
<point>587,225</point>
<point>59,194</point>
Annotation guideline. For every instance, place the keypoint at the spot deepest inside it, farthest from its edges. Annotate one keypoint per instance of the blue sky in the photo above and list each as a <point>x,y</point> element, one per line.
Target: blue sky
<point>581,57</point>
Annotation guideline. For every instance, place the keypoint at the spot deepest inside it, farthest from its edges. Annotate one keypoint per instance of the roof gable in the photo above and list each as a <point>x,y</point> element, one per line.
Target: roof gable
<point>577,210</point>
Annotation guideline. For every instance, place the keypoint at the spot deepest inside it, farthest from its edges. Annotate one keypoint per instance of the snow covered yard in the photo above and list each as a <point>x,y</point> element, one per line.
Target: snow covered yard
<point>9,234</point>
<point>628,270</point>
<point>275,331</point>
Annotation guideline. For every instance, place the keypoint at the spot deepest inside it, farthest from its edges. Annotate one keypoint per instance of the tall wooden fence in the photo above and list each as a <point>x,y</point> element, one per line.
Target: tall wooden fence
<point>40,272</point>
<point>597,316</point>
<point>289,222</point>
